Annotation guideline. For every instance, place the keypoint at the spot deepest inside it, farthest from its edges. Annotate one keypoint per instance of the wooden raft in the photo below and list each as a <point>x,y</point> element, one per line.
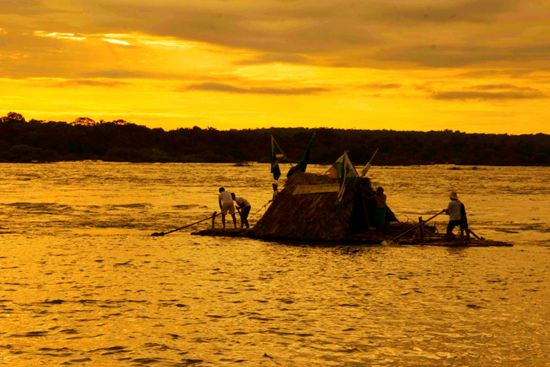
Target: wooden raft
<point>434,240</point>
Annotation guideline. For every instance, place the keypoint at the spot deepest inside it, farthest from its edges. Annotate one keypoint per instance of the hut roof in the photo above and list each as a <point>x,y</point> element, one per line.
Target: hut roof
<point>307,209</point>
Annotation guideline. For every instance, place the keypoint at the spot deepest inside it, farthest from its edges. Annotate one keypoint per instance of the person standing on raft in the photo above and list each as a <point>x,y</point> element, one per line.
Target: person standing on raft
<point>457,217</point>
<point>380,211</point>
<point>226,205</point>
<point>243,206</point>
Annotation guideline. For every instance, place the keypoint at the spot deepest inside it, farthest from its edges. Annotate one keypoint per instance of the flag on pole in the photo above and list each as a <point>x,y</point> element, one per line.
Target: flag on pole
<point>276,154</point>
<point>302,165</point>
<point>367,166</point>
<point>343,170</point>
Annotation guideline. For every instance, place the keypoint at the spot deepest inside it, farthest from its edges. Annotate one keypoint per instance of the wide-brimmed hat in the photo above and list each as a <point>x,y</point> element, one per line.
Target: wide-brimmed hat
<point>454,195</point>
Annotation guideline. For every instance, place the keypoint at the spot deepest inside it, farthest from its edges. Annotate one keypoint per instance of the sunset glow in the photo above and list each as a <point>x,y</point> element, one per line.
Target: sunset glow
<point>469,65</point>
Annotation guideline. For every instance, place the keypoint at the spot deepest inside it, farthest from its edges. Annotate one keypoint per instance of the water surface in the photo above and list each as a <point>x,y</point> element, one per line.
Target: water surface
<point>83,283</point>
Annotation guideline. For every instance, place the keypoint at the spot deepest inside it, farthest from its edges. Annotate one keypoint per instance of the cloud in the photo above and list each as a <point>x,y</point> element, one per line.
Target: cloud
<point>21,7</point>
<point>449,11</point>
<point>501,87</point>
<point>447,33</point>
<point>383,86</point>
<point>228,88</point>
<point>70,55</point>
<point>378,33</point>
<point>121,74</point>
<point>87,83</point>
<point>490,73</point>
<point>269,58</point>
<point>490,92</point>
<point>125,73</point>
<point>466,55</point>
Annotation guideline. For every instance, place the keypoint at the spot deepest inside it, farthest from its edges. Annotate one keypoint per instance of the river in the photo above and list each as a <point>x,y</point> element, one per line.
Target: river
<point>83,282</point>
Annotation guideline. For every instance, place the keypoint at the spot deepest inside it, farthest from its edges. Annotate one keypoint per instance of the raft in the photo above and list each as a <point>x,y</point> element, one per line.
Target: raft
<point>367,240</point>
<point>443,242</point>
<point>317,210</point>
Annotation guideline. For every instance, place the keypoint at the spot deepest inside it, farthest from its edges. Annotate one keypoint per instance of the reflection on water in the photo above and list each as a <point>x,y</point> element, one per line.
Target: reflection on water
<point>82,282</point>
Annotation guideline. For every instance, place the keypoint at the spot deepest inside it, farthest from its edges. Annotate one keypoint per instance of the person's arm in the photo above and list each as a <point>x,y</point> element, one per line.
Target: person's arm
<point>237,206</point>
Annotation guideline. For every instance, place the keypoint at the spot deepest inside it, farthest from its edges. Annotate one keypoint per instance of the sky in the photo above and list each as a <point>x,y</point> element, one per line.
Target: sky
<point>471,65</point>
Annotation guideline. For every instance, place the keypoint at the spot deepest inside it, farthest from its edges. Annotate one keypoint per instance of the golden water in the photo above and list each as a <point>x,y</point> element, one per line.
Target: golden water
<point>82,282</point>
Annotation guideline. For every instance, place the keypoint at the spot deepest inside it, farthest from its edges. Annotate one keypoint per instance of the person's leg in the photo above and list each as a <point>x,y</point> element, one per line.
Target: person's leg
<point>464,228</point>
<point>244,218</point>
<point>241,216</point>
<point>227,208</point>
<point>382,219</point>
<point>379,220</point>
<point>450,227</point>
<point>231,210</point>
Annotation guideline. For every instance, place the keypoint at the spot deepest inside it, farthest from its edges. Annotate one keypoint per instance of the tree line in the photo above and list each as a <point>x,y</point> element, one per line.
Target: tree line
<point>119,140</point>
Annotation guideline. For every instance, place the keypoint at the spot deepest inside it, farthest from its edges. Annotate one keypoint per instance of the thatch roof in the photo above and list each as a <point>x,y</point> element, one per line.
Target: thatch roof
<point>307,209</point>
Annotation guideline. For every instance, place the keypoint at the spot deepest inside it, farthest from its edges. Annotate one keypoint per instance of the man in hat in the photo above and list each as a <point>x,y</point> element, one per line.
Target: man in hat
<point>457,217</point>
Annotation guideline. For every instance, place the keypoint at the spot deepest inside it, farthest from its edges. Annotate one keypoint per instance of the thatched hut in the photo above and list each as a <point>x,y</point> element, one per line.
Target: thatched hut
<point>308,209</point>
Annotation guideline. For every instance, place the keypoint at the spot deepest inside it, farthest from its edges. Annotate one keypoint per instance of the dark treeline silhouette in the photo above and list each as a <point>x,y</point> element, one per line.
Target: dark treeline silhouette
<point>85,139</point>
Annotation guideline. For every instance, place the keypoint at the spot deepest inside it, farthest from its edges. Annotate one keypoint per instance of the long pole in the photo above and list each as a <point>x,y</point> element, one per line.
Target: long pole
<point>183,227</point>
<point>475,235</point>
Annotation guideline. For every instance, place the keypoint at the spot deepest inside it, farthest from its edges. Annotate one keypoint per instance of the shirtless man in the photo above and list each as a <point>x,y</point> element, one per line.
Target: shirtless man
<point>226,205</point>
<point>244,209</point>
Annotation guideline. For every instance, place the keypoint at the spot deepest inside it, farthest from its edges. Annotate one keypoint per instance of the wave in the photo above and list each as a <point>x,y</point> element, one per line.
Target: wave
<point>185,206</point>
<point>130,206</point>
<point>40,207</point>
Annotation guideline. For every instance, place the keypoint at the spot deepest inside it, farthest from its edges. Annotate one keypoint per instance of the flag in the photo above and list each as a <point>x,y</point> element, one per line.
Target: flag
<point>302,165</point>
<point>367,166</point>
<point>276,154</point>
<point>343,170</point>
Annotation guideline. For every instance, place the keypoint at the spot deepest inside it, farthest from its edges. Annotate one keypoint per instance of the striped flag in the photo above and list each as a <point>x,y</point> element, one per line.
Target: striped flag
<point>343,170</point>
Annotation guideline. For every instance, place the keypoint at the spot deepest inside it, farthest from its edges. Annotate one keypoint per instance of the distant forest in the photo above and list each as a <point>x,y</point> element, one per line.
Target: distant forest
<point>119,140</point>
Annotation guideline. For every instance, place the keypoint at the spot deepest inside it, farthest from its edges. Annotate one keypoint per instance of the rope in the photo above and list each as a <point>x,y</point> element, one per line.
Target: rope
<point>259,210</point>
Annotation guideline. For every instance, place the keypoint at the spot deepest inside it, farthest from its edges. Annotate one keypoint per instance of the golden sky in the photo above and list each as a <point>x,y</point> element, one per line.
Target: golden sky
<point>469,65</point>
